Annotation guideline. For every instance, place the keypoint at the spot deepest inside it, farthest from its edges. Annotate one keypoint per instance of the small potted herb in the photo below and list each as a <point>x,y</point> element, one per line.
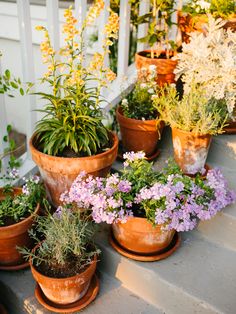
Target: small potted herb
<point>18,207</point>
<point>64,260</point>
<point>193,119</point>
<point>162,48</point>
<point>71,136</point>
<point>138,119</point>
<point>146,207</point>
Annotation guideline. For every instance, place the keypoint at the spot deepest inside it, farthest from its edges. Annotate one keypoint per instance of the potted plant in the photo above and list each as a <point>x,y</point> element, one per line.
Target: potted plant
<point>71,136</point>
<point>18,207</point>
<point>158,37</point>
<point>210,61</point>
<point>63,262</point>
<point>138,119</point>
<point>146,207</point>
<point>193,15</point>
<point>193,120</point>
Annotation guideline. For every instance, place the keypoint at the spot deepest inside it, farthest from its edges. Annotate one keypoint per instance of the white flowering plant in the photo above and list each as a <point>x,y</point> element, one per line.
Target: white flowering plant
<point>15,207</point>
<point>138,103</point>
<point>209,61</point>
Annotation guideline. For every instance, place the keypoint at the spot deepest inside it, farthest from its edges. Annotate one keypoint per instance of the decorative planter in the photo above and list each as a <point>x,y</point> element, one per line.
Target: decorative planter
<point>58,173</point>
<point>190,150</point>
<point>187,24</point>
<point>65,290</point>
<point>139,236</point>
<point>13,236</point>
<point>139,135</point>
<point>165,67</point>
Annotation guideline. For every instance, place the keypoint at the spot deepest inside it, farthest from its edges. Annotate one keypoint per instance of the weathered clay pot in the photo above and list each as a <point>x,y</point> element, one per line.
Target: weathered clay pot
<point>139,135</point>
<point>65,290</point>
<point>190,150</point>
<point>58,173</point>
<point>165,67</point>
<point>13,236</point>
<point>139,236</point>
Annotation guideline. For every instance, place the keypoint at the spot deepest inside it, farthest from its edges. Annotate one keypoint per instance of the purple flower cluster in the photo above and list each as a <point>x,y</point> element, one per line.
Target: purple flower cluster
<point>180,202</point>
<point>130,157</point>
<point>105,197</point>
<point>29,184</point>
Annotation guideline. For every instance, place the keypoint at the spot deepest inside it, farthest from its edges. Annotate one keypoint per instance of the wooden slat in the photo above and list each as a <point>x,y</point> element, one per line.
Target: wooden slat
<point>53,22</point>
<point>123,44</point>
<point>144,8</point>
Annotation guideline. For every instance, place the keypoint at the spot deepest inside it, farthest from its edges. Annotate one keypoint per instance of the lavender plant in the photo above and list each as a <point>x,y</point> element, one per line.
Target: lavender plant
<point>167,197</point>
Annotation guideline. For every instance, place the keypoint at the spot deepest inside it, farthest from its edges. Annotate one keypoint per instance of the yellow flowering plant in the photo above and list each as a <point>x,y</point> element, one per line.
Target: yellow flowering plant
<point>72,125</point>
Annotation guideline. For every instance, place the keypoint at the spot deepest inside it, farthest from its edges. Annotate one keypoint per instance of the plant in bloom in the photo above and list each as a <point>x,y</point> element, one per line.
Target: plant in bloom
<point>138,103</point>
<point>72,124</point>
<point>15,208</point>
<point>168,197</point>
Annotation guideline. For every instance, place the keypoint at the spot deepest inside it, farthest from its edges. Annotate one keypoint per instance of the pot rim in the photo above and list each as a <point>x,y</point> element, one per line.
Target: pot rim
<point>19,223</point>
<point>174,53</point>
<point>189,132</point>
<point>113,148</point>
<point>55,278</point>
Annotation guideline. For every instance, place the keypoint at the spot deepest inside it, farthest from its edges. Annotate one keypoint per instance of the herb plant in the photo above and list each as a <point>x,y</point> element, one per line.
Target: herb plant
<point>194,112</point>
<point>167,197</point>
<point>73,119</point>
<point>159,21</point>
<point>67,246</point>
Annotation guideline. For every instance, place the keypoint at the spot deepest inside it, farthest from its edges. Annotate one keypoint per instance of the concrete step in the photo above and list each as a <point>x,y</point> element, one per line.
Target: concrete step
<point>198,278</point>
<point>17,294</point>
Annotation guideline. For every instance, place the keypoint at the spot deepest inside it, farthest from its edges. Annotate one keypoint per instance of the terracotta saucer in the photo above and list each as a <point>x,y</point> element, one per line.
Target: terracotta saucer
<point>14,267</point>
<point>121,151</point>
<point>229,130</point>
<point>175,243</point>
<point>72,307</point>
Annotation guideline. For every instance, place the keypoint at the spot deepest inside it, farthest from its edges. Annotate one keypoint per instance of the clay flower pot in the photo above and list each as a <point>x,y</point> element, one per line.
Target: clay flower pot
<point>139,135</point>
<point>58,173</point>
<point>65,290</point>
<point>190,150</point>
<point>13,236</point>
<point>165,67</point>
<point>138,235</point>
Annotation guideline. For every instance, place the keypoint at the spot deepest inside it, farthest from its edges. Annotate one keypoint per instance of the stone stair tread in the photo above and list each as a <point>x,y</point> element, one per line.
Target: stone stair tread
<point>17,292</point>
<point>199,269</point>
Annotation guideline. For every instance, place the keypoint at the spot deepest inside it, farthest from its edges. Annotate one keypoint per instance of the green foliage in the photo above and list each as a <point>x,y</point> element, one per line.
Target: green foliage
<point>218,8</point>
<point>68,237</point>
<point>194,112</point>
<point>159,23</point>
<point>72,122</point>
<point>15,208</point>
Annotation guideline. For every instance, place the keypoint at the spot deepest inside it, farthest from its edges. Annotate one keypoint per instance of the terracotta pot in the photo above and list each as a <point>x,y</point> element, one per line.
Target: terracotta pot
<point>15,235</point>
<point>139,236</point>
<point>58,173</point>
<point>188,24</point>
<point>165,67</point>
<point>190,150</point>
<point>139,135</point>
<point>65,290</point>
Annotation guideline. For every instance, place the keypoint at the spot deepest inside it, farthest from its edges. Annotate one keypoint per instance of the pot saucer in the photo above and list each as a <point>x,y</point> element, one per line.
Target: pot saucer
<point>72,307</point>
<point>14,267</point>
<point>229,130</point>
<point>175,243</point>
<point>122,151</point>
